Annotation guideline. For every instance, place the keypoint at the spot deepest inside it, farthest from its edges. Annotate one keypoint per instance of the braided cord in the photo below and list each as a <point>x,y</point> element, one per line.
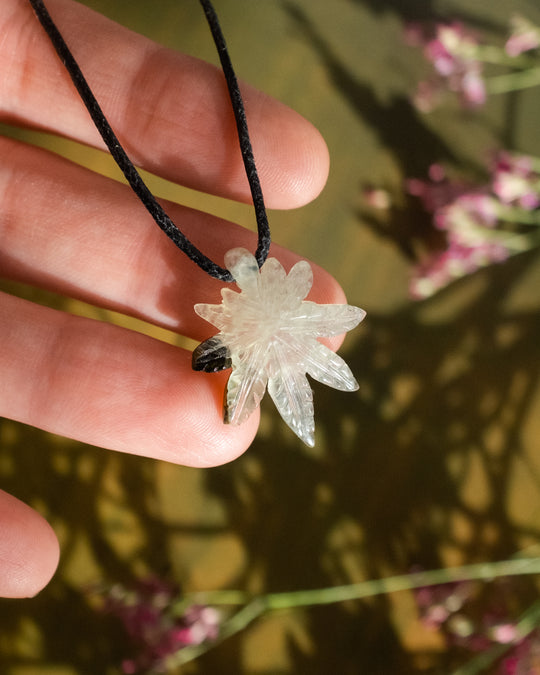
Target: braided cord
<point>131,174</point>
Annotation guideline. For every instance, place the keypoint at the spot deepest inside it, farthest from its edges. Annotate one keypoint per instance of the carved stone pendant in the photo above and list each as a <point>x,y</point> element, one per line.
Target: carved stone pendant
<point>268,335</point>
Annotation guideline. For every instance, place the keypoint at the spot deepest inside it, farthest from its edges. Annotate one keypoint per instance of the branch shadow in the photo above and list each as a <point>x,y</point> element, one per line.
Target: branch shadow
<point>398,126</point>
<point>418,467</point>
<point>412,11</point>
<point>46,475</point>
<point>422,464</point>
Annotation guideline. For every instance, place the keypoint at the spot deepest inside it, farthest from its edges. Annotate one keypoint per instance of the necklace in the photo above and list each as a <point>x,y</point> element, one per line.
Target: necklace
<point>268,332</point>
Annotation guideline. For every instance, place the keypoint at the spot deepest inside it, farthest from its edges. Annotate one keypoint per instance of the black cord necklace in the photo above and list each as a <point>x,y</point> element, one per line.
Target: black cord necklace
<point>130,172</point>
<point>267,332</point>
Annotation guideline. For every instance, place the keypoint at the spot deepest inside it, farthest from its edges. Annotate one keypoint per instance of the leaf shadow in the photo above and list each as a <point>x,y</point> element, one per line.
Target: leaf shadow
<point>425,461</point>
<point>439,402</point>
<point>419,466</point>
<point>398,126</point>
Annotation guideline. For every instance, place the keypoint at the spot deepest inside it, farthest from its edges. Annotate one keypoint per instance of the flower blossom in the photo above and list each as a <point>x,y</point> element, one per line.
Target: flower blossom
<point>524,37</point>
<point>476,623</point>
<point>268,335</point>
<point>437,192</point>
<point>436,604</point>
<point>453,263</point>
<point>158,633</point>
<point>516,182</point>
<point>467,216</point>
<point>451,51</point>
<point>524,659</point>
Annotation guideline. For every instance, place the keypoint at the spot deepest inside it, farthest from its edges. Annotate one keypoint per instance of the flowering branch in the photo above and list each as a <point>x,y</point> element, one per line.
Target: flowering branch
<point>483,224</point>
<point>458,60</point>
<point>373,587</point>
<point>255,607</point>
<point>171,629</point>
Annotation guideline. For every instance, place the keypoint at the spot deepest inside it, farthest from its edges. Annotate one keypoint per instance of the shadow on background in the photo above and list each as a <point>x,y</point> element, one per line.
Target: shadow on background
<point>401,129</point>
<point>423,466</point>
<point>429,10</point>
<point>419,465</point>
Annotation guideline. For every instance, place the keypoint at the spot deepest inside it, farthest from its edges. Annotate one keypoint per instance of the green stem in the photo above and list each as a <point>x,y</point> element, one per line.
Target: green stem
<point>520,243</point>
<point>254,607</point>
<point>512,242</point>
<point>497,56</point>
<point>501,84</point>
<point>482,571</point>
<point>513,214</point>
<point>366,589</point>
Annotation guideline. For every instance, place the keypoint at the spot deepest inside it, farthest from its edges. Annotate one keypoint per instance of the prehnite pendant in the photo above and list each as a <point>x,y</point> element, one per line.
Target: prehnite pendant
<point>268,336</point>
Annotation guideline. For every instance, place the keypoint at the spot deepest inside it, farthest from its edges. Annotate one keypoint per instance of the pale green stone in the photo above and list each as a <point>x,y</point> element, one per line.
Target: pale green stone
<point>271,333</point>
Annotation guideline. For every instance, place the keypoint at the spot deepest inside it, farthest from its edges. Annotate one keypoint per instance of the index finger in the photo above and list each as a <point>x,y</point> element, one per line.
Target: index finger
<point>170,111</point>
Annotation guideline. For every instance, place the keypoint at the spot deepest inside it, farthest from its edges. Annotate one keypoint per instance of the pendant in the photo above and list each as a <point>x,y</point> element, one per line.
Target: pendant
<point>268,336</point>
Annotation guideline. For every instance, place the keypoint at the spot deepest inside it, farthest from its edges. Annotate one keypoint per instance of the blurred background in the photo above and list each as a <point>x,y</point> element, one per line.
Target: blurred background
<point>434,462</point>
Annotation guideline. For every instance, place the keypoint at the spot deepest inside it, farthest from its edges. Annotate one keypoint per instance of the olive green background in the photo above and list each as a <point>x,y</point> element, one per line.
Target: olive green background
<point>434,462</point>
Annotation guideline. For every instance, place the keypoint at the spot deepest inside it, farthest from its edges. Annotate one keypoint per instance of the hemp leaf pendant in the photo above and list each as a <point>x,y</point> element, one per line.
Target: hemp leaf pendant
<point>268,335</point>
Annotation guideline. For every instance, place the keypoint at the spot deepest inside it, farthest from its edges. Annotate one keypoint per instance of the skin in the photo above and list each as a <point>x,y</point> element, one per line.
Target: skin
<point>66,229</point>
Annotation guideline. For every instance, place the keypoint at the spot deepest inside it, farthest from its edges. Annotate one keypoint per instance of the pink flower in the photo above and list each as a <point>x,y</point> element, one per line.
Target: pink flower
<point>473,87</point>
<point>146,612</point>
<point>524,37</point>
<point>436,604</point>
<point>440,51</point>
<point>478,623</point>
<point>453,263</point>
<point>505,633</point>
<point>515,181</point>
<point>469,217</point>
<point>200,624</point>
<point>524,659</point>
<point>437,192</point>
<point>451,51</point>
<point>466,218</point>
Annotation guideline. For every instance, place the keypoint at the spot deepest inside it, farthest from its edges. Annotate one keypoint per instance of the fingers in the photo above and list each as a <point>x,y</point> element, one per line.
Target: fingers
<point>170,111</point>
<point>28,549</point>
<point>76,233</point>
<point>112,388</point>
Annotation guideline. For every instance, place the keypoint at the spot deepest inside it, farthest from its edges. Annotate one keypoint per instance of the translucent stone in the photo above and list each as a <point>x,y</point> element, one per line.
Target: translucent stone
<point>268,333</point>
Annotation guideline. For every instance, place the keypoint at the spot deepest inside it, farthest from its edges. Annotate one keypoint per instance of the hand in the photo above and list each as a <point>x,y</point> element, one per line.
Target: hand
<point>79,234</point>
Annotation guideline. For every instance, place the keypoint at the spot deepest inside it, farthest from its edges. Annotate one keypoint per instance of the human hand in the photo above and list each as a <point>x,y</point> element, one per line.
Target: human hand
<point>79,234</point>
